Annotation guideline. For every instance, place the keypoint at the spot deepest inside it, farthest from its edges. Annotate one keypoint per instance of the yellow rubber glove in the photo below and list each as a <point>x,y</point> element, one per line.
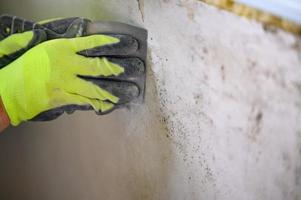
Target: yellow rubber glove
<point>46,77</point>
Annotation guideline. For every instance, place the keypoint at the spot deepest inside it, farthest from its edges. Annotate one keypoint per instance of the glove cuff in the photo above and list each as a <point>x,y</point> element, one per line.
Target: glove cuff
<point>4,119</point>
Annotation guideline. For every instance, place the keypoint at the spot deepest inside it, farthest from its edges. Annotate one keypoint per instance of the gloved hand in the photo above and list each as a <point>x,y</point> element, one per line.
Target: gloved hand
<point>52,77</point>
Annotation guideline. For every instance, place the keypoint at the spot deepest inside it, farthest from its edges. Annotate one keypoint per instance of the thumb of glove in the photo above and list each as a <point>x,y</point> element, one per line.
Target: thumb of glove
<point>13,46</point>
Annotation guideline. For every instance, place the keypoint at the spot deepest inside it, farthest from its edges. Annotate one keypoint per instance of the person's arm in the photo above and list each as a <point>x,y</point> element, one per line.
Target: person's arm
<point>4,119</point>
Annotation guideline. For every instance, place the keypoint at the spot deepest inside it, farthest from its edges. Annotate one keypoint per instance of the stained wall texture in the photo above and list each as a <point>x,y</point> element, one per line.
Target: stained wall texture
<point>221,118</point>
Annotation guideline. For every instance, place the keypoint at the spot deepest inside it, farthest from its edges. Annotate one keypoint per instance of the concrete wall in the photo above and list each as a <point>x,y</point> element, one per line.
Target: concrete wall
<point>221,118</point>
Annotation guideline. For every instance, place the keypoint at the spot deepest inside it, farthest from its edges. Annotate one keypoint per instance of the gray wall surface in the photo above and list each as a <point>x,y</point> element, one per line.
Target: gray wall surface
<point>221,118</point>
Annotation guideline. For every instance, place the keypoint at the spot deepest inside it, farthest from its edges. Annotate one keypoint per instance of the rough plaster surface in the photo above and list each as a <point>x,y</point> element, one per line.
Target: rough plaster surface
<point>220,121</point>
